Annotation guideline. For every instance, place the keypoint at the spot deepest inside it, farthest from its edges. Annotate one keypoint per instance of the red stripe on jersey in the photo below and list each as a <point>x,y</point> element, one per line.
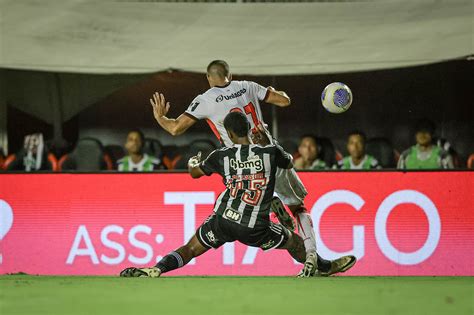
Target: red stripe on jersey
<point>214,129</point>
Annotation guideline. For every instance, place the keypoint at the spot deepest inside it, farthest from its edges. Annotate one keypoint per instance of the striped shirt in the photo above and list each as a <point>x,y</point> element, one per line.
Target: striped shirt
<point>147,164</point>
<point>248,172</point>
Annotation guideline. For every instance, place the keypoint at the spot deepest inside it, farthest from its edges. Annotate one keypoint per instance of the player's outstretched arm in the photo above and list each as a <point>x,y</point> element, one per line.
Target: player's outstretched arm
<point>173,126</point>
<point>278,98</point>
<point>193,166</point>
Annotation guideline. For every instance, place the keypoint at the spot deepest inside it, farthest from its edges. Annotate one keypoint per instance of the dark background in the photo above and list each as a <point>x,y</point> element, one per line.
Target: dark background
<point>386,103</point>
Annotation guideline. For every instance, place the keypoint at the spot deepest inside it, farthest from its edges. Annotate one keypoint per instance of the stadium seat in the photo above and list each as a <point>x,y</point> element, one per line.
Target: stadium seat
<point>153,147</point>
<point>446,145</point>
<point>14,162</point>
<point>290,146</point>
<point>202,145</point>
<point>116,152</point>
<point>470,162</point>
<point>88,155</point>
<point>326,149</point>
<point>382,150</point>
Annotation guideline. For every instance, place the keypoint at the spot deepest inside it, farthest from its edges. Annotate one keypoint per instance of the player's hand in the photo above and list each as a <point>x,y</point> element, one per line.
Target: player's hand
<point>160,106</point>
<point>261,135</point>
<point>195,160</point>
<point>271,88</point>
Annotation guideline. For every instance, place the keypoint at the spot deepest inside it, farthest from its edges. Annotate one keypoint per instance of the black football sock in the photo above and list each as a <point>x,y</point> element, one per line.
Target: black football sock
<point>323,264</point>
<point>170,262</point>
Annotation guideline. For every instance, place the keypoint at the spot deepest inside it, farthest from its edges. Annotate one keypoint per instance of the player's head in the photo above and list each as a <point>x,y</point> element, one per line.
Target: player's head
<point>424,132</point>
<point>308,148</point>
<point>237,127</point>
<point>356,144</point>
<point>218,73</point>
<point>135,141</point>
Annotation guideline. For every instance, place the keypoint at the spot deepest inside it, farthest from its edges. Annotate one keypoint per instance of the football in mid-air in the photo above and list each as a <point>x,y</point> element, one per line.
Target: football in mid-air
<point>336,98</point>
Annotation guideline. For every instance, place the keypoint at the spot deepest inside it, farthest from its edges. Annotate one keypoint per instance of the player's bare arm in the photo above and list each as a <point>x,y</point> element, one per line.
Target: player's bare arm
<point>278,98</point>
<point>174,126</point>
<point>193,166</point>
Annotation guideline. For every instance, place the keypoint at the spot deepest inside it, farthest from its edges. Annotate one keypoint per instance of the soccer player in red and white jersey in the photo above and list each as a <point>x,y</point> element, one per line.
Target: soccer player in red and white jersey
<point>225,96</point>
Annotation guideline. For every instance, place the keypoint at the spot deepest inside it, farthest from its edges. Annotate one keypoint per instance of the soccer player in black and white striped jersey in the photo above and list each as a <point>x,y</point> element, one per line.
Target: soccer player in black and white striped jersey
<point>242,211</point>
<point>224,96</point>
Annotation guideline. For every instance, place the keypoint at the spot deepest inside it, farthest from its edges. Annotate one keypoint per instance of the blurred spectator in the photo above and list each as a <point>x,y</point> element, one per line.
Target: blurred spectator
<point>357,159</point>
<point>308,159</point>
<point>34,156</point>
<point>425,154</point>
<point>136,160</point>
<point>470,162</point>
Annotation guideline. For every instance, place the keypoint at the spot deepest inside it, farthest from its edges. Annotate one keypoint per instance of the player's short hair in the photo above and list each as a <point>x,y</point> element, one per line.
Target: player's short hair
<point>358,133</point>
<point>237,123</point>
<point>425,125</point>
<point>140,134</point>
<point>219,68</point>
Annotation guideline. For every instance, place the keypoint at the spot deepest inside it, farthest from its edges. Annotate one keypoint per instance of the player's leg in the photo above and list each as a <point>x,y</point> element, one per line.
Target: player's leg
<point>295,247</point>
<point>174,260</point>
<point>292,192</point>
<point>201,242</point>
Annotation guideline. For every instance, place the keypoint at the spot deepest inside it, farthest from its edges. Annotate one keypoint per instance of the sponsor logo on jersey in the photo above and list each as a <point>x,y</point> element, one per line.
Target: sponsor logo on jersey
<point>211,237</point>
<point>232,215</point>
<point>221,97</point>
<point>268,244</point>
<point>253,162</point>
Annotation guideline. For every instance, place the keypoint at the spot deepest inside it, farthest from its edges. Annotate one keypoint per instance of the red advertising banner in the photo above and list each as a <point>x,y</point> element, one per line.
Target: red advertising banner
<point>396,223</point>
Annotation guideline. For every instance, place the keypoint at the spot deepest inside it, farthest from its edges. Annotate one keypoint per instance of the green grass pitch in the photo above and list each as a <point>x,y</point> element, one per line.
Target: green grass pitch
<point>31,295</point>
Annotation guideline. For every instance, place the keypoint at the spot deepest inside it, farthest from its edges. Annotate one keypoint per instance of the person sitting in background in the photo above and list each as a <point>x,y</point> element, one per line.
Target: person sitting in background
<point>425,154</point>
<point>357,159</point>
<point>136,160</point>
<point>308,159</point>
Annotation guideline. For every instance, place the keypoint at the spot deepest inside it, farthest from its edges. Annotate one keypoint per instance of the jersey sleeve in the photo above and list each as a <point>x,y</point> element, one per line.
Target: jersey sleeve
<point>198,109</point>
<point>258,91</point>
<point>283,159</point>
<point>211,163</point>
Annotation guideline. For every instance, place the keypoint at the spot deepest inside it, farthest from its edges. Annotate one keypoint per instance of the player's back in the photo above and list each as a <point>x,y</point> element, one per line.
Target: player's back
<point>249,173</point>
<point>218,101</point>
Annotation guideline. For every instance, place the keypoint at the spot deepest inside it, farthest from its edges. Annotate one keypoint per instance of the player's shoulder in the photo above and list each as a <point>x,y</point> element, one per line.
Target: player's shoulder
<point>201,97</point>
<point>222,150</point>
<point>407,152</point>
<point>267,148</point>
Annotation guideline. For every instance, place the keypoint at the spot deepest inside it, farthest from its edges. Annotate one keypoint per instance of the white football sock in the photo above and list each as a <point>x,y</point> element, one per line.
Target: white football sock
<point>305,230</point>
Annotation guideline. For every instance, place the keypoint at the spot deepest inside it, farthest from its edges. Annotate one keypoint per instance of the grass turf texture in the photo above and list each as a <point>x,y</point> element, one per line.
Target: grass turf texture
<point>20,294</point>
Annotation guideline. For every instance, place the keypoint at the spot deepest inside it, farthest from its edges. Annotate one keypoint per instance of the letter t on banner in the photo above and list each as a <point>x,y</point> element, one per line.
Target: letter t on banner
<point>189,200</point>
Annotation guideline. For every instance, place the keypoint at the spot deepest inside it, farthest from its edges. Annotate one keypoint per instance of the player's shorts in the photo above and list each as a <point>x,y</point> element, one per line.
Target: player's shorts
<point>216,231</point>
<point>289,187</point>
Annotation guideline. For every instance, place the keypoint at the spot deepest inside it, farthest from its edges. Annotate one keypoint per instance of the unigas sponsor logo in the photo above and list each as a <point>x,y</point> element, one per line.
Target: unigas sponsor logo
<point>221,97</point>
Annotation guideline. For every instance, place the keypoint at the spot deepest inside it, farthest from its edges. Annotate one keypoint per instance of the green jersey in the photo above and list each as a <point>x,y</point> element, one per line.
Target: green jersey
<point>146,164</point>
<point>367,163</point>
<point>435,158</point>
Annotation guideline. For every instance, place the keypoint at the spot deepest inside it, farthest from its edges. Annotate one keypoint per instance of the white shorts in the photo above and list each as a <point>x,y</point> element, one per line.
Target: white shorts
<point>289,187</point>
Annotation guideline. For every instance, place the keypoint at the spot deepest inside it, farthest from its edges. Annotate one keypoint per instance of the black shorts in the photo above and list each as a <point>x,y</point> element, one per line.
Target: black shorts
<point>216,231</point>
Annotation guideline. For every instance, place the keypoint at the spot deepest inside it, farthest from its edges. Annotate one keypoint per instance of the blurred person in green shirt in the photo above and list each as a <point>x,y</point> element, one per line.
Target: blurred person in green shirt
<point>357,159</point>
<point>136,160</point>
<point>308,159</point>
<point>425,154</point>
